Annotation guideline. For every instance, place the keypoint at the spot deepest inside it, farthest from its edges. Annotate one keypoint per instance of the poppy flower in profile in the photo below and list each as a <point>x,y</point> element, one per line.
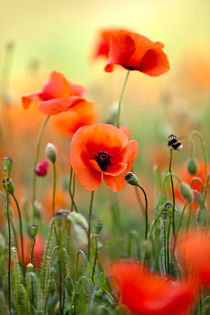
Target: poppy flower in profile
<point>57,95</point>
<point>102,149</point>
<point>82,114</point>
<point>136,52</point>
<point>193,250</point>
<point>145,293</point>
<point>103,43</point>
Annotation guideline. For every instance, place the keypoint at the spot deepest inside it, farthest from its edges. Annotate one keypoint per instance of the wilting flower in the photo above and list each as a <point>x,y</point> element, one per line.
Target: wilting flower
<point>57,95</point>
<point>102,149</point>
<point>80,115</point>
<point>133,52</point>
<point>145,293</point>
<point>42,168</point>
<point>193,250</point>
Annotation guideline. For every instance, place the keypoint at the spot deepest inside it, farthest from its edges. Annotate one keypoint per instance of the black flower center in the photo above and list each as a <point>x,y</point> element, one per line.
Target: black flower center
<point>103,160</point>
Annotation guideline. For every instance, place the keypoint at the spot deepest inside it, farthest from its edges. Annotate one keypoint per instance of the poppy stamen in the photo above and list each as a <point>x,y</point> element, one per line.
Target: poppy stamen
<point>103,160</point>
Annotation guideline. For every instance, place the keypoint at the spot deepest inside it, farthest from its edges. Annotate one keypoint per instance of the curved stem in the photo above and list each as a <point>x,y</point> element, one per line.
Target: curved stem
<point>139,200</point>
<point>188,218</point>
<point>70,192</point>
<point>35,163</point>
<point>173,194</point>
<point>120,99</point>
<point>9,232</point>
<point>165,179</point>
<point>54,188</point>
<point>203,146</point>
<point>146,210</point>
<point>21,232</point>
<point>89,222</point>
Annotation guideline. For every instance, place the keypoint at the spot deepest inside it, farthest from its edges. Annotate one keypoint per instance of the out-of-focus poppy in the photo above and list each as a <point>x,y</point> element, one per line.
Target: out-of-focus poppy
<point>103,42</point>
<point>80,115</point>
<point>193,249</point>
<point>27,246</point>
<point>136,52</point>
<point>145,293</point>
<point>57,95</point>
<point>42,168</point>
<point>102,149</point>
<point>186,177</point>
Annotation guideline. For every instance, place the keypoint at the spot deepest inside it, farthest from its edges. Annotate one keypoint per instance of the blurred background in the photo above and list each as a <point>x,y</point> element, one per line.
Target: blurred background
<point>37,37</point>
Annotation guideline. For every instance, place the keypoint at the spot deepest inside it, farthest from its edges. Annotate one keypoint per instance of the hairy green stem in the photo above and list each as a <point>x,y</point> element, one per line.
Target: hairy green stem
<point>173,194</point>
<point>54,188</point>
<point>32,250</point>
<point>21,232</point>
<point>96,256</point>
<point>89,222</point>
<point>120,99</point>
<point>73,204</point>
<point>16,280</point>
<point>35,163</point>
<point>146,210</point>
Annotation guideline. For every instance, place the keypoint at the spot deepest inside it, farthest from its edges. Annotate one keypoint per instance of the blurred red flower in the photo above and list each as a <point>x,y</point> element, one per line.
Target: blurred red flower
<point>103,43</point>
<point>42,168</point>
<point>27,246</point>
<point>82,114</point>
<point>193,250</point>
<point>102,149</point>
<point>132,51</point>
<point>57,95</point>
<point>186,177</point>
<point>145,293</point>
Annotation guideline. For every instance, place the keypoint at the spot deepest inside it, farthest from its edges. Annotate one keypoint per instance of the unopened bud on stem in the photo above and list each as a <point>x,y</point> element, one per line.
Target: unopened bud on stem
<point>51,152</point>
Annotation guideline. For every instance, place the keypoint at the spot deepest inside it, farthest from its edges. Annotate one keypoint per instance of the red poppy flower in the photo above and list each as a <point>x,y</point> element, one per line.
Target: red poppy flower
<point>80,115</point>
<point>103,43</point>
<point>57,95</point>
<point>102,149</point>
<point>187,178</point>
<point>193,250</point>
<point>145,293</point>
<point>136,52</point>
<point>27,245</point>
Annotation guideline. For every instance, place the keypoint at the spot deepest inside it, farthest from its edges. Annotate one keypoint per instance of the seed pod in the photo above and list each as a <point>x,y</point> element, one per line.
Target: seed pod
<point>192,166</point>
<point>131,179</point>
<point>186,192</point>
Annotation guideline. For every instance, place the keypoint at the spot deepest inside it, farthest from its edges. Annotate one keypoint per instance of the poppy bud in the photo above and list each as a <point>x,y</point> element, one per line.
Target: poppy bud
<point>192,166</point>
<point>33,231</point>
<point>30,267</point>
<point>7,162</point>
<point>202,217</point>
<point>52,287</point>
<point>51,152</point>
<point>9,187</point>
<point>164,214</point>
<point>69,286</point>
<point>98,225</point>
<point>131,179</point>
<point>41,168</point>
<point>186,192</point>
<point>77,218</point>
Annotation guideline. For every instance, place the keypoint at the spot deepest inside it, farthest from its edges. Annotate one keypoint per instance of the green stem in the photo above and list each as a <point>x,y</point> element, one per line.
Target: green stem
<point>32,250</point>
<point>188,218</point>
<point>9,234</point>
<point>179,226</point>
<point>21,232</point>
<point>16,280</point>
<point>168,240</point>
<point>89,222</point>
<point>60,273</point>
<point>35,163</point>
<point>146,210</point>
<point>203,146</point>
<point>96,256</point>
<point>205,191</point>
<point>173,194</point>
<point>165,246</point>
<point>54,188</point>
<point>120,99</point>
<point>139,201</point>
<point>165,180</point>
<point>70,192</point>
<point>73,192</point>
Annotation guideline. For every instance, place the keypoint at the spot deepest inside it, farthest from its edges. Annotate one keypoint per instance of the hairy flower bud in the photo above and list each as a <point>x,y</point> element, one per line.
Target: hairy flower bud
<point>192,166</point>
<point>8,186</point>
<point>78,218</point>
<point>42,168</point>
<point>33,231</point>
<point>51,152</point>
<point>186,192</point>
<point>131,179</point>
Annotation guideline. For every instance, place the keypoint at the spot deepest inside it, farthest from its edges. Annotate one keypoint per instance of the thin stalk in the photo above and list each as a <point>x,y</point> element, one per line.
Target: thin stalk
<point>205,191</point>
<point>60,274</point>
<point>73,192</point>
<point>165,246</point>
<point>54,188</point>
<point>14,234</point>
<point>203,146</point>
<point>120,99</point>
<point>188,218</point>
<point>9,234</point>
<point>146,210</point>
<point>173,194</point>
<point>16,281</point>
<point>96,256</point>
<point>89,222</point>
<point>70,192</point>
<point>35,163</point>
<point>179,226</point>
<point>168,247</point>
<point>21,232</point>
<point>139,201</point>
<point>32,250</point>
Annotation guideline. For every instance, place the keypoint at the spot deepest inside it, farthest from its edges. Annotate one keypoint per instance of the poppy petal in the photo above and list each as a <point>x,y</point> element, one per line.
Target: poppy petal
<point>57,86</point>
<point>77,89</point>
<point>89,178</point>
<point>154,62</point>
<point>113,170</point>
<point>58,105</point>
<point>27,100</point>
<point>117,183</point>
